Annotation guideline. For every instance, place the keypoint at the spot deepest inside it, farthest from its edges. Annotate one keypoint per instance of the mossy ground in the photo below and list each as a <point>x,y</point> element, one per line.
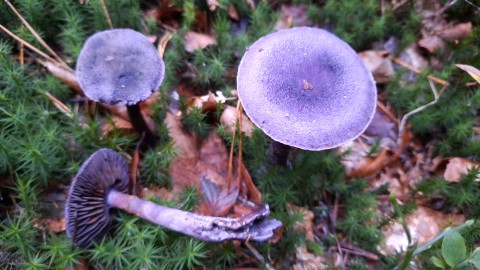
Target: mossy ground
<point>42,148</point>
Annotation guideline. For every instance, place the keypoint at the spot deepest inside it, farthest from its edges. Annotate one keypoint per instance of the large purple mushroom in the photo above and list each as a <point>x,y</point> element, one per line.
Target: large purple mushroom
<point>102,183</point>
<point>306,88</point>
<point>121,66</point>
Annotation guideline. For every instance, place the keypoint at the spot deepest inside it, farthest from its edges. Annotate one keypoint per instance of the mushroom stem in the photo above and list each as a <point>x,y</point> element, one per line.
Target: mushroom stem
<point>279,154</point>
<point>140,126</point>
<point>212,229</point>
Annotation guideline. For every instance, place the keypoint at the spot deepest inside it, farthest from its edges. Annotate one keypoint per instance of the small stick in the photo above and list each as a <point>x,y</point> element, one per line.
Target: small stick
<point>28,45</point>
<point>232,147</point>
<point>107,15</point>
<point>416,70</point>
<point>258,255</point>
<point>37,36</point>
<point>358,251</point>
<point>240,161</point>
<point>387,112</point>
<point>22,59</point>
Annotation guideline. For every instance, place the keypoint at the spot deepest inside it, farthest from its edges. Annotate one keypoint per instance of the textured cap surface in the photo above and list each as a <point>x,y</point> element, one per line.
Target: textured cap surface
<point>87,216</point>
<point>119,66</point>
<point>306,88</point>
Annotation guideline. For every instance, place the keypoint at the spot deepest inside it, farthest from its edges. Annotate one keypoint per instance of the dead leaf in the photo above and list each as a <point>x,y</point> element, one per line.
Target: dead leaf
<point>156,192</point>
<point>194,41</point>
<point>308,261</point>
<point>306,225</point>
<point>66,76</point>
<point>370,165</point>
<point>472,71</point>
<point>52,225</point>
<point>457,167</point>
<point>293,16</point>
<point>60,105</point>
<point>378,64</point>
<point>228,120</point>
<point>217,201</point>
<point>167,36</point>
<point>115,122</point>
<point>432,43</point>
<point>81,265</point>
<point>457,31</point>
<point>232,12</point>
<point>424,224</point>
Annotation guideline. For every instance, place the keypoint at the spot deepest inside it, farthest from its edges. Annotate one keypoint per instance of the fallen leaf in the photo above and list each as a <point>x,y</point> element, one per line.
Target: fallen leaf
<point>194,41</point>
<point>115,122</point>
<point>156,192</point>
<point>232,12</point>
<point>167,36</point>
<point>217,201</point>
<point>370,165</point>
<point>432,43</point>
<point>228,120</point>
<point>81,265</point>
<point>60,105</point>
<point>423,224</point>
<point>378,64</point>
<point>306,225</point>
<point>457,167</point>
<point>52,225</point>
<point>308,261</point>
<point>457,31</point>
<point>66,76</point>
<point>472,71</point>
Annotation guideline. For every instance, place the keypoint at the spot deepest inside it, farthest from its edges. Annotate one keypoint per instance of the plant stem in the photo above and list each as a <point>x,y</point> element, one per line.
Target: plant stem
<point>140,126</point>
<point>206,228</point>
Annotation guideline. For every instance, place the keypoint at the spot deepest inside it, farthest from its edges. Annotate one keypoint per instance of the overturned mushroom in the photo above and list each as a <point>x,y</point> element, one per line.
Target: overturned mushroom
<point>121,66</point>
<point>306,88</point>
<point>102,184</point>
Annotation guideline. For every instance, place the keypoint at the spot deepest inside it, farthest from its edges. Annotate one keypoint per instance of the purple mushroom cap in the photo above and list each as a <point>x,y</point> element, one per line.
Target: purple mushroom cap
<point>87,214</point>
<point>119,66</point>
<point>306,88</point>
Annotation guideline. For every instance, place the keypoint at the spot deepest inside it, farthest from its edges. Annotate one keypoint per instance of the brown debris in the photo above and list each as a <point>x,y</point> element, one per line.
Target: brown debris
<point>194,41</point>
<point>379,65</point>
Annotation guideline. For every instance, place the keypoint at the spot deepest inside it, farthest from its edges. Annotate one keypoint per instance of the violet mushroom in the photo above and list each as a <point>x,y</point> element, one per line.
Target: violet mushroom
<point>121,66</point>
<point>102,184</point>
<point>306,88</point>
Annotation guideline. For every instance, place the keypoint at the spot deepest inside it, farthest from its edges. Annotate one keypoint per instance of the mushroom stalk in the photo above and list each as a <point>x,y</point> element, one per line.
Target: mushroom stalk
<point>140,126</point>
<point>206,228</point>
<point>279,154</point>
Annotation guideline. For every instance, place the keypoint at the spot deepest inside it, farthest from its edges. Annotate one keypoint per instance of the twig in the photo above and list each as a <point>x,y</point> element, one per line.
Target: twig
<point>416,70</point>
<point>22,58</point>
<point>28,45</point>
<point>37,36</point>
<point>240,161</point>
<point>358,251</point>
<point>258,256</point>
<point>386,111</point>
<point>232,147</point>
<point>401,127</point>
<point>107,15</point>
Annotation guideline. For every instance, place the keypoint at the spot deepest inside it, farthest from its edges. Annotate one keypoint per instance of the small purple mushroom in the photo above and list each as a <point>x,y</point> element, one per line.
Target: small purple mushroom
<point>121,66</point>
<point>306,88</point>
<point>102,184</point>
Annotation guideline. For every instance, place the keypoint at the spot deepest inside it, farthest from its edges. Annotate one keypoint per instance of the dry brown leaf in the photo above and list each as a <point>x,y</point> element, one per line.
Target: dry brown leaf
<point>228,120</point>
<point>370,165</point>
<point>432,43</point>
<point>116,122</point>
<point>60,105</point>
<point>378,64</point>
<point>424,224</point>
<point>232,12</point>
<point>81,265</point>
<point>194,41</point>
<point>66,76</point>
<point>156,192</point>
<point>308,261</point>
<point>457,167</point>
<point>52,225</point>
<point>457,31</point>
<point>163,43</point>
<point>292,16</point>
<point>306,225</point>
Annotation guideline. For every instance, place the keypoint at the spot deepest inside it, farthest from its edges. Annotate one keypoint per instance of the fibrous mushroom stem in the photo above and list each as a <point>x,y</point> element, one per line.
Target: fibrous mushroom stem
<point>141,127</point>
<point>279,154</point>
<point>206,228</point>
